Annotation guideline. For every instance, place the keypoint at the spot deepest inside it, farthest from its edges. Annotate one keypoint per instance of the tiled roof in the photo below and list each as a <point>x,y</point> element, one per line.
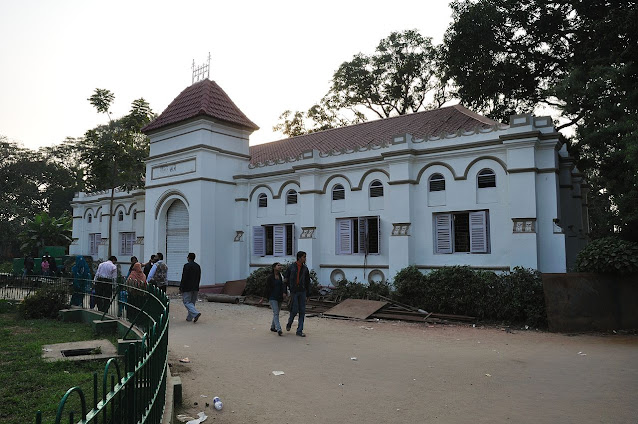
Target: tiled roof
<point>419,125</point>
<point>204,98</point>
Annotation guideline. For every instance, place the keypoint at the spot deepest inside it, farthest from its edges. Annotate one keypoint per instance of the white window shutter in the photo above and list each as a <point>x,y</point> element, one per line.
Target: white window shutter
<point>443,233</point>
<point>279,240</point>
<point>344,236</point>
<point>122,243</point>
<point>294,243</point>
<point>259,241</point>
<point>478,232</point>
<point>363,235</point>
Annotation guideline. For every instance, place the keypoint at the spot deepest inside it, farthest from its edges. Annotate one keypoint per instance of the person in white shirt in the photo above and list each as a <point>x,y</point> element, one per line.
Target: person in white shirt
<point>104,279</point>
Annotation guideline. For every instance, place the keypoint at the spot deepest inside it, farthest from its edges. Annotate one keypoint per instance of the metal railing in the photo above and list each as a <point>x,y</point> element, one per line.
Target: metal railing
<point>136,395</point>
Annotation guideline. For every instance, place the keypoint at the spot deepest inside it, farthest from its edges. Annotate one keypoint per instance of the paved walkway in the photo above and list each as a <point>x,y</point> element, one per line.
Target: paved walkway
<point>403,372</point>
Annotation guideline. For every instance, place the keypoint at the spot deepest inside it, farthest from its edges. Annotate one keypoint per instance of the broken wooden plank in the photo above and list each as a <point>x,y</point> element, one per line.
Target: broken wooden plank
<point>356,308</point>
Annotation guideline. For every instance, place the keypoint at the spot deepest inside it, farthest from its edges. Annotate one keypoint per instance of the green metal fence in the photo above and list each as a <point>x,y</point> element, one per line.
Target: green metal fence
<point>135,394</point>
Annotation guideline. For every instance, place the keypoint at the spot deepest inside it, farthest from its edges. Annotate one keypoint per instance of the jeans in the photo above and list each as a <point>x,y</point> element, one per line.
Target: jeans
<point>189,299</point>
<point>276,307</point>
<point>298,306</point>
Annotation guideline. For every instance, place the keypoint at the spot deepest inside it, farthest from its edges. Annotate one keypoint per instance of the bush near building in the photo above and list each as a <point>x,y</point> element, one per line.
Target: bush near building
<point>609,255</point>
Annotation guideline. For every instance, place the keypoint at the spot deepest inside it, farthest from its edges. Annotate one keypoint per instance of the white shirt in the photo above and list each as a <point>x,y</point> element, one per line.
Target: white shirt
<point>106,270</point>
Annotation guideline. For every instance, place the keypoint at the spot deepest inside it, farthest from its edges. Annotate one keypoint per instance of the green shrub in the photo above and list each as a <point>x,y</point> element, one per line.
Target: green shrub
<point>409,286</point>
<point>6,268</point>
<point>515,297</point>
<point>45,302</point>
<point>521,298</point>
<point>609,255</point>
<point>256,281</point>
<point>459,290</point>
<point>346,289</point>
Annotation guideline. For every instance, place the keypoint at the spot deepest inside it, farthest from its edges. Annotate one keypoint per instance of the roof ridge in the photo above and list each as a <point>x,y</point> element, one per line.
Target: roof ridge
<point>357,124</point>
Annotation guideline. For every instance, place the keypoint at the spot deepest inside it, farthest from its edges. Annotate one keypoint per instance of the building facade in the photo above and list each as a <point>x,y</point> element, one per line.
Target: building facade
<point>431,189</point>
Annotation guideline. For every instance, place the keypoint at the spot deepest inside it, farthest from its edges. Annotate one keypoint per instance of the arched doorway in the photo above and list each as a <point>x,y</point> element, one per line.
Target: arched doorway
<point>176,239</point>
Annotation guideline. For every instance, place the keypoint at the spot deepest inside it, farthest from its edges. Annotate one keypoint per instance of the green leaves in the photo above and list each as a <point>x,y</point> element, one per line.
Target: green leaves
<point>102,100</point>
<point>400,77</point>
<point>609,255</point>
<point>512,56</point>
<point>44,230</point>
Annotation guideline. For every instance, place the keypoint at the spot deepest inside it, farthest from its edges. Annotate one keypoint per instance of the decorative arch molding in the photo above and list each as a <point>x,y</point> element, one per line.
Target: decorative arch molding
<point>97,211</point>
<point>169,195</point>
<point>443,164</point>
<point>130,208</point>
<point>272,193</point>
<point>88,210</point>
<point>493,158</point>
<point>368,172</point>
<point>281,189</point>
<point>118,207</point>
<point>332,177</point>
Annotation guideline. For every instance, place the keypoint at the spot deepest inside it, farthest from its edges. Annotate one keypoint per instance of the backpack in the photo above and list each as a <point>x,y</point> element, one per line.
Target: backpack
<point>160,277</point>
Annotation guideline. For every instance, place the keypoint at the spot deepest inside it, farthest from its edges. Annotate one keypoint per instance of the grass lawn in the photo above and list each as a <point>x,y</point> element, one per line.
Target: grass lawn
<point>27,382</point>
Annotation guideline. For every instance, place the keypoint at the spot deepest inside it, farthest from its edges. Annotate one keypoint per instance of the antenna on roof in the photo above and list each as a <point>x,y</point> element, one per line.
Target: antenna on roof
<point>201,72</point>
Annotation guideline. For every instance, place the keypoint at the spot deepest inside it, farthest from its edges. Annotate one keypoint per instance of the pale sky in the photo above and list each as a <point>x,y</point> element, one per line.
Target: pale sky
<point>268,56</point>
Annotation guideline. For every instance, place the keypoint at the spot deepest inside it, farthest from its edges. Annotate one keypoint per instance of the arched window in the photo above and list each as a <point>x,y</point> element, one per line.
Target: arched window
<point>486,178</point>
<point>134,213</point>
<point>120,216</point>
<point>263,201</point>
<point>291,197</point>
<point>437,182</point>
<point>90,218</point>
<point>376,189</point>
<point>338,192</point>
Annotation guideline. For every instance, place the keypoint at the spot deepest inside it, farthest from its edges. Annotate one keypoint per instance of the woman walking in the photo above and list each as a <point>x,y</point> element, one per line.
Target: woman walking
<point>276,291</point>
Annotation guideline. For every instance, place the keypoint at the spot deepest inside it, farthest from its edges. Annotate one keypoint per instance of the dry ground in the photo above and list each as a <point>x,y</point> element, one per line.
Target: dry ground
<point>404,372</point>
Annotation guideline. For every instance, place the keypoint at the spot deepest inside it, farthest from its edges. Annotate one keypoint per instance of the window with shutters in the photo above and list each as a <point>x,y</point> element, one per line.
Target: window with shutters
<point>376,189</point>
<point>263,201</point>
<point>458,232</point>
<point>291,197</point>
<point>437,182</point>
<point>120,216</point>
<point>126,243</point>
<point>359,235</point>
<point>338,192</point>
<point>90,219</point>
<point>274,240</point>
<point>94,241</point>
<point>486,178</point>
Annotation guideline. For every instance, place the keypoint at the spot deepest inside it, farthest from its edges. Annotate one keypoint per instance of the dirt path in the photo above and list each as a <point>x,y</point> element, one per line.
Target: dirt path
<point>404,372</point>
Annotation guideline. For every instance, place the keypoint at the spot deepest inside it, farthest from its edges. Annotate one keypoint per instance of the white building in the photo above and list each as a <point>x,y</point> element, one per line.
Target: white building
<point>435,188</point>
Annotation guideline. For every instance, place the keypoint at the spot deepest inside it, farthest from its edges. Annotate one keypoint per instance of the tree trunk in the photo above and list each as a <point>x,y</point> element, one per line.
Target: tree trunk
<point>110,232</point>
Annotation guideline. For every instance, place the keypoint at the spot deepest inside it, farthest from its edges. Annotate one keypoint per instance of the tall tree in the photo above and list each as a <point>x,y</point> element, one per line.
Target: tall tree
<point>511,56</point>
<point>114,152</point>
<point>31,182</point>
<point>400,77</point>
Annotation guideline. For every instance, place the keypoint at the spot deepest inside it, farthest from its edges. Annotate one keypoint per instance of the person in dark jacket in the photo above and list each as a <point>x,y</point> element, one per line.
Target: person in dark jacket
<point>275,292</point>
<point>189,287</point>
<point>298,278</point>
<point>148,265</point>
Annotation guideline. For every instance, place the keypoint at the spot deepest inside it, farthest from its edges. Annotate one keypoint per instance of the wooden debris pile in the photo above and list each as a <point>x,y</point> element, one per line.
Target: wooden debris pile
<point>385,308</point>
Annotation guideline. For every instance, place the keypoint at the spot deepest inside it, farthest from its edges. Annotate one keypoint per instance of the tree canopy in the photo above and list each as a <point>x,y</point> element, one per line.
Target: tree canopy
<point>31,182</point>
<point>512,56</point>
<point>400,77</point>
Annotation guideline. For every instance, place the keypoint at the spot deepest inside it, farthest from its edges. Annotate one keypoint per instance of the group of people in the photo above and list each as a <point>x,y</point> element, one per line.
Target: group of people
<point>295,282</point>
<point>48,266</point>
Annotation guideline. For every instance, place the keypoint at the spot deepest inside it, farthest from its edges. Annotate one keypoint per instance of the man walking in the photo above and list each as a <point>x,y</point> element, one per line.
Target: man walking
<point>189,287</point>
<point>159,273</point>
<point>298,278</point>
<point>104,279</point>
